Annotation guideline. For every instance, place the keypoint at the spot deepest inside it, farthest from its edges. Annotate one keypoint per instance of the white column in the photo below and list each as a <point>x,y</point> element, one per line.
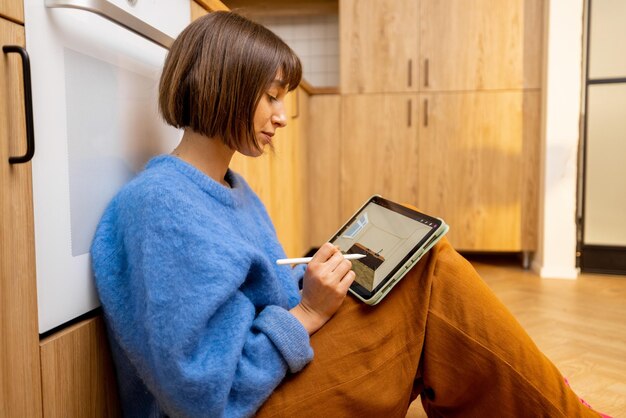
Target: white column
<point>563,63</point>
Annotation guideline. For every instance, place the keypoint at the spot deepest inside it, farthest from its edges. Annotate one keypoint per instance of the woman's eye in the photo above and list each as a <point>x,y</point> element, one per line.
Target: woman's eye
<point>272,98</point>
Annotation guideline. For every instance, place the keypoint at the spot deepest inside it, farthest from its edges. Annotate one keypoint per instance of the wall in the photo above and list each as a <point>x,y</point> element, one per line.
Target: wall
<point>556,255</point>
<point>316,41</point>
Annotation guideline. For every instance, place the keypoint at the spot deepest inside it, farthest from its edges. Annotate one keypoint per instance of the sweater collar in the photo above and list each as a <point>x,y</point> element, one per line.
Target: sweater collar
<point>228,196</point>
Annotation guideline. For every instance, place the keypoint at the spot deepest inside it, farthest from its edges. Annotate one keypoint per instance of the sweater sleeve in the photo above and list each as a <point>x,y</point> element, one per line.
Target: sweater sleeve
<point>173,300</point>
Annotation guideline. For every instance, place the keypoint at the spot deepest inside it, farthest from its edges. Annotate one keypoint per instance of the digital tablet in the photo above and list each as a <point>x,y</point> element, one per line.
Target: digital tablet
<point>392,237</point>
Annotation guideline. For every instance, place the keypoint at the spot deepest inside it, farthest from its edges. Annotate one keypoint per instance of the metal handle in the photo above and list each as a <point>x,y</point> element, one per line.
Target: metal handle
<point>426,68</point>
<point>426,112</point>
<point>410,113</point>
<point>28,105</point>
<point>118,16</point>
<point>410,72</point>
<point>297,100</point>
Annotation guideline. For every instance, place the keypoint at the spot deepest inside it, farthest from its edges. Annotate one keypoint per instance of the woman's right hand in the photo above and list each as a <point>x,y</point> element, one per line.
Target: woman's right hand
<point>326,281</point>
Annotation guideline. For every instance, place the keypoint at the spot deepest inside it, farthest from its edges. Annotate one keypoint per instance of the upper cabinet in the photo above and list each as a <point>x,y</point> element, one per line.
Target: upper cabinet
<point>439,45</point>
<point>12,9</point>
<point>378,46</point>
<point>480,44</point>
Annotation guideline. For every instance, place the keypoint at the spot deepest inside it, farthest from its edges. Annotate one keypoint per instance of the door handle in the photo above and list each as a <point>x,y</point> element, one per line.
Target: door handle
<point>297,106</point>
<point>28,105</point>
<point>118,16</point>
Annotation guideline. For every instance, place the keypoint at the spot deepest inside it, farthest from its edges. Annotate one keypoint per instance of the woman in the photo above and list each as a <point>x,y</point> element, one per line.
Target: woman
<point>203,323</point>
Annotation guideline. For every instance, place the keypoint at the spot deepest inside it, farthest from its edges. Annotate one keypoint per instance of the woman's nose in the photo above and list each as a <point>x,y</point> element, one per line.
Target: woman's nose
<point>279,117</point>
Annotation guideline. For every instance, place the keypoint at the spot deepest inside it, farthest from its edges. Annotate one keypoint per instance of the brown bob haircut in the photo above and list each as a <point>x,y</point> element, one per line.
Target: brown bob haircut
<point>216,72</point>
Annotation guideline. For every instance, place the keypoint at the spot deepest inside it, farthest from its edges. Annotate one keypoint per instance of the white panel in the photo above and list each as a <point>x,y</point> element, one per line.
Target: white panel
<point>96,124</point>
<point>608,37</point>
<point>605,174</point>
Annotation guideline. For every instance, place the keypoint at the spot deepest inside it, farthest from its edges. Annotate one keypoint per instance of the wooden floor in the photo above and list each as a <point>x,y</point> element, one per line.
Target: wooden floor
<point>579,324</point>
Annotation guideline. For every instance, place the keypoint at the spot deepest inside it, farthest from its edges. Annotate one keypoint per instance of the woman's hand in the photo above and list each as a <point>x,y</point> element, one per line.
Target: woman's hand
<point>326,281</point>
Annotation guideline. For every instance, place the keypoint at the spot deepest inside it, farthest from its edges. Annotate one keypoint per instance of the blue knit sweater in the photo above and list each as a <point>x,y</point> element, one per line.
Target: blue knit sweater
<point>195,306</point>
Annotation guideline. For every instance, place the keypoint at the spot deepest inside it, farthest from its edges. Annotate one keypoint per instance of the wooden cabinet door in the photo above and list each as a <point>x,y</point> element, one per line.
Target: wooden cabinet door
<point>478,167</point>
<point>480,44</point>
<point>378,45</point>
<point>323,163</point>
<point>77,373</point>
<point>12,9</point>
<point>285,180</point>
<point>20,384</point>
<point>277,177</point>
<point>378,149</point>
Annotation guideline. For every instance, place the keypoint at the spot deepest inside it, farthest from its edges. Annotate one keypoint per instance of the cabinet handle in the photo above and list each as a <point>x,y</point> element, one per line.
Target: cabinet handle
<point>297,100</point>
<point>28,105</point>
<point>426,68</point>
<point>426,112</point>
<point>410,73</point>
<point>409,114</point>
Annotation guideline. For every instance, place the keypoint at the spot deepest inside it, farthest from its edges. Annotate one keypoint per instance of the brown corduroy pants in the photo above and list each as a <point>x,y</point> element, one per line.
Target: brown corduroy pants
<point>441,333</point>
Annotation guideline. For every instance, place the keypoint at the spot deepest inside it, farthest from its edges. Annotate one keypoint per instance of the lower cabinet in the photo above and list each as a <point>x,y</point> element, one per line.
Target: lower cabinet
<point>278,176</point>
<point>78,378</point>
<point>378,152</point>
<point>323,140</point>
<point>471,158</point>
<point>478,167</point>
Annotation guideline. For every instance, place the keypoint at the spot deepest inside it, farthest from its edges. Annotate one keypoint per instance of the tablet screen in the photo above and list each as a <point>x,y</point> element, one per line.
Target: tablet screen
<point>388,234</point>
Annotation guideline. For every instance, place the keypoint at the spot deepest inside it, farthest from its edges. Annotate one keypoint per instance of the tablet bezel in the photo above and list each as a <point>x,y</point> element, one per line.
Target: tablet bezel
<point>359,290</point>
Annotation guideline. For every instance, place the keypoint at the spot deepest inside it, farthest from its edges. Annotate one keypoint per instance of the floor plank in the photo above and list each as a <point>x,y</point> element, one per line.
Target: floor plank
<point>579,324</point>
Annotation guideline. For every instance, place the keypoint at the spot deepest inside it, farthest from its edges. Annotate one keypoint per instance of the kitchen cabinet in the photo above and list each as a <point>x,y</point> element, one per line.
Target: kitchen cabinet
<point>480,44</point>
<point>473,156</point>
<point>80,355</point>
<point>378,149</point>
<point>477,167</point>
<point>277,176</point>
<point>20,384</point>
<point>378,46</point>
<point>70,374</point>
<point>13,10</point>
<point>323,137</point>
<point>289,167</point>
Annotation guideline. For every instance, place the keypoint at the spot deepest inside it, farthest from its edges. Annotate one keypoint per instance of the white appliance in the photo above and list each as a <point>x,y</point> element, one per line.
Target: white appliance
<point>95,84</point>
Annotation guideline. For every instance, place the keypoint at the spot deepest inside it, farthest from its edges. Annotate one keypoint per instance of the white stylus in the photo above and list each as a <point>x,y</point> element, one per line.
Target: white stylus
<point>304,260</point>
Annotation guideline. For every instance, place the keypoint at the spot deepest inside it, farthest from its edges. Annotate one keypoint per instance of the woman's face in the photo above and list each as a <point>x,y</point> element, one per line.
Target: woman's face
<point>268,116</point>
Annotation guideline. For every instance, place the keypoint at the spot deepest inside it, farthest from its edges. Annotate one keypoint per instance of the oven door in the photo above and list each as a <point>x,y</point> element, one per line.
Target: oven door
<point>95,86</point>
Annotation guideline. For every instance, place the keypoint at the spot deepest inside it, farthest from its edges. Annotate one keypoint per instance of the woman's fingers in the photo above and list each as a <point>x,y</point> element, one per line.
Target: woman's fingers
<point>324,253</point>
<point>329,255</point>
<point>346,281</point>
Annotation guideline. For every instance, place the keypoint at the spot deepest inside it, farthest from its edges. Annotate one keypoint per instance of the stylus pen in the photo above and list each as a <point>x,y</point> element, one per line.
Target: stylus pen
<point>305,260</point>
